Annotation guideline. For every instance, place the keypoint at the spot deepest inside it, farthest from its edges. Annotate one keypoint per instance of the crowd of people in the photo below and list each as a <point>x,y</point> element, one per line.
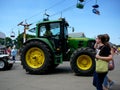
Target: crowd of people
<point>12,52</point>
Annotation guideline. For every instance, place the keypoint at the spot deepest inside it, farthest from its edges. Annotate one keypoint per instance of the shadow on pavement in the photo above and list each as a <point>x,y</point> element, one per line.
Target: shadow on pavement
<point>115,87</point>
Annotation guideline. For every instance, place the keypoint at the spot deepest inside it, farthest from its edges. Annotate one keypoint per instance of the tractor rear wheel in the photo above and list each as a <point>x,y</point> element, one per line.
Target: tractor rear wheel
<point>36,57</point>
<point>82,61</point>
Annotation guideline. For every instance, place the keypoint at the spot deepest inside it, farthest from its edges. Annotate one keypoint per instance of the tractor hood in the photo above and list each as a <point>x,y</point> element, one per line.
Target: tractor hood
<point>78,40</point>
<point>43,40</point>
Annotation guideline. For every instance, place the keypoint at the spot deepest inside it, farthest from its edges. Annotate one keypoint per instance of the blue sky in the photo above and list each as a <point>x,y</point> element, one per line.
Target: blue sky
<point>83,20</point>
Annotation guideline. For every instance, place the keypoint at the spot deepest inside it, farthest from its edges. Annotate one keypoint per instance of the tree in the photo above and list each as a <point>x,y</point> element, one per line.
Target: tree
<point>8,41</point>
<point>19,39</point>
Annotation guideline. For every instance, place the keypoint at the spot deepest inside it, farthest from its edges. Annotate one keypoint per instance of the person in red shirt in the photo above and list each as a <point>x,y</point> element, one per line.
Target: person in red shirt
<point>8,50</point>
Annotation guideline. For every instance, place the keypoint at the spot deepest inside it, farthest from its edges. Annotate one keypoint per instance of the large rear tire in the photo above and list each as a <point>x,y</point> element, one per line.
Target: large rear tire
<point>36,58</point>
<point>82,61</point>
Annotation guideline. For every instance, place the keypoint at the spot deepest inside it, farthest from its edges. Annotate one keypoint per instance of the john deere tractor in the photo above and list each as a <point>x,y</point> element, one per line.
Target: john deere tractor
<point>53,45</point>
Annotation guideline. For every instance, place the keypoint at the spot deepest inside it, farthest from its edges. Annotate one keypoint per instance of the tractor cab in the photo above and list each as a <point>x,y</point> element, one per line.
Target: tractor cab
<point>56,32</point>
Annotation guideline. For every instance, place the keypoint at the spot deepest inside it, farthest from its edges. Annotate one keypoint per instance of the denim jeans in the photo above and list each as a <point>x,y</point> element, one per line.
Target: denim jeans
<point>105,83</point>
<point>98,79</point>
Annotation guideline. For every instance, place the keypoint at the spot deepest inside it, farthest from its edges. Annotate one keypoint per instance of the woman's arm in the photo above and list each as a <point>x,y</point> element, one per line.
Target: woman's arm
<point>109,58</point>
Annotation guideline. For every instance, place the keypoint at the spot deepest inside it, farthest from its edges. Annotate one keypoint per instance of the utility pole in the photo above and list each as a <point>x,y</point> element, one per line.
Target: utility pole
<point>26,27</point>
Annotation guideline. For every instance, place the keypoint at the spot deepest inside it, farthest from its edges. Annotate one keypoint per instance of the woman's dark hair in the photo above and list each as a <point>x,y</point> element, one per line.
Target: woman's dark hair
<point>107,37</point>
<point>104,39</point>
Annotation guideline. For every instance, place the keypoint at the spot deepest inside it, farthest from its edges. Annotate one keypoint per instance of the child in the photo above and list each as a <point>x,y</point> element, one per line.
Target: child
<point>13,53</point>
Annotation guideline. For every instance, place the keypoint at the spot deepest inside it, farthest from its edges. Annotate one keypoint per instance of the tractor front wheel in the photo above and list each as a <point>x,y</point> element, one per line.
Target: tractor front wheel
<point>82,61</point>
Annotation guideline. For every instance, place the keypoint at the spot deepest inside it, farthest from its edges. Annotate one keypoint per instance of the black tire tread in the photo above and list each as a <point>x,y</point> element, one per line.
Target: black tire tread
<point>74,56</point>
<point>46,67</point>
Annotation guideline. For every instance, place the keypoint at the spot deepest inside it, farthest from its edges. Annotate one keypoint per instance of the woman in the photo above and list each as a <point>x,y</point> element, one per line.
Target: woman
<point>105,55</point>
<point>107,81</point>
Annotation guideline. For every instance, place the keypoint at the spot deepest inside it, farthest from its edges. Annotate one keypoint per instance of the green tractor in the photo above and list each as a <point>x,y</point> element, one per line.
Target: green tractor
<point>53,45</point>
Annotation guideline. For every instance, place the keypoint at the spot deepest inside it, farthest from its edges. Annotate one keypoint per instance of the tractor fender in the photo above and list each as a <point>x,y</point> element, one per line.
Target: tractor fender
<point>43,40</point>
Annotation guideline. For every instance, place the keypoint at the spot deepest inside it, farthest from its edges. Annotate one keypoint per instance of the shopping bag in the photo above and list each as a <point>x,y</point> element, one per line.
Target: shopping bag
<point>101,66</point>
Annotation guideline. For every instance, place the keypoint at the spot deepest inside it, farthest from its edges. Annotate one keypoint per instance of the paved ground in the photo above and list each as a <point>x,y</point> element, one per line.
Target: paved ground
<point>62,79</point>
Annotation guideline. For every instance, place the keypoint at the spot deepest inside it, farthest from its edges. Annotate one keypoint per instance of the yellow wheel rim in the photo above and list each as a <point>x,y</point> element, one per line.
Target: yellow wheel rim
<point>84,62</point>
<point>35,57</point>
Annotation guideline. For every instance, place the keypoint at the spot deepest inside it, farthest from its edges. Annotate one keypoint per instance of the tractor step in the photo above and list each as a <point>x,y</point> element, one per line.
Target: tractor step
<point>58,59</point>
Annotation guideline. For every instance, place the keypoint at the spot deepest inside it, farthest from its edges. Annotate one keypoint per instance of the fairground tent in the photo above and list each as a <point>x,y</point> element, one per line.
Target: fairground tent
<point>2,35</point>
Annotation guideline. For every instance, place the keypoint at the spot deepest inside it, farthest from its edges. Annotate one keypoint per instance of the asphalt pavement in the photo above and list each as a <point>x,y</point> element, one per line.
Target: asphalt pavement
<point>61,79</point>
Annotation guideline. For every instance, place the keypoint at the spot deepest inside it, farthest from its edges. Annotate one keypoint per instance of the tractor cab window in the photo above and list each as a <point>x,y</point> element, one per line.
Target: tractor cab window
<point>42,31</point>
<point>55,28</point>
<point>49,29</point>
